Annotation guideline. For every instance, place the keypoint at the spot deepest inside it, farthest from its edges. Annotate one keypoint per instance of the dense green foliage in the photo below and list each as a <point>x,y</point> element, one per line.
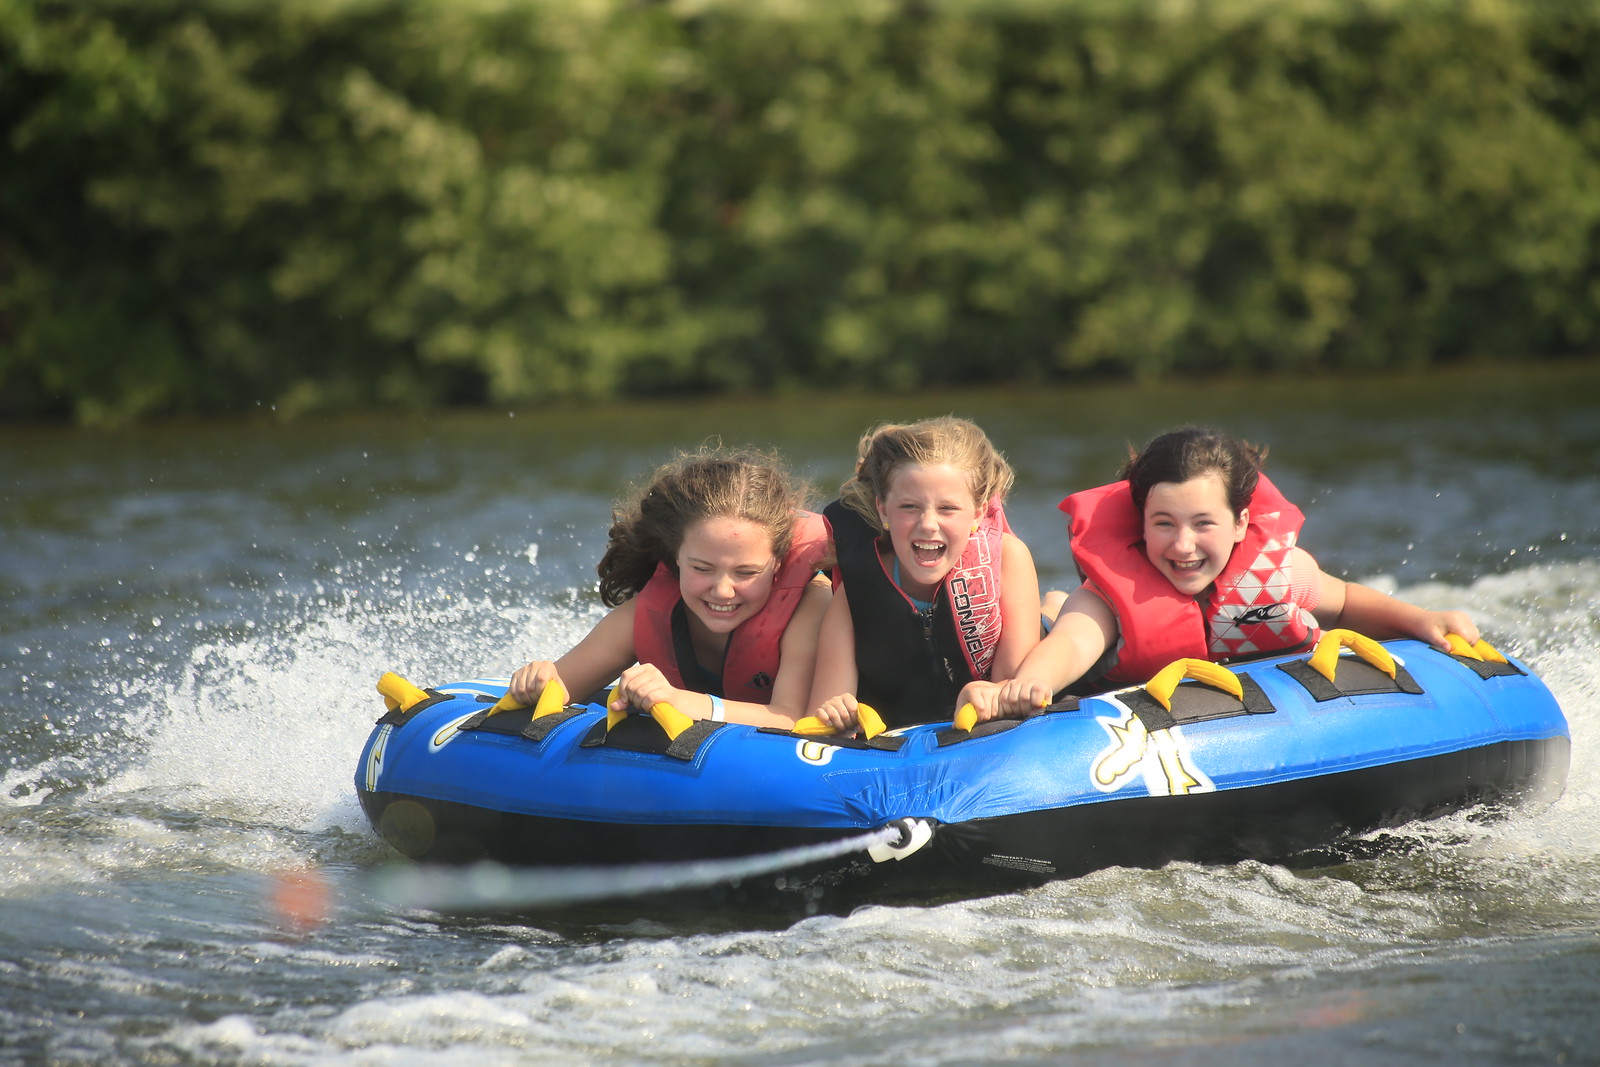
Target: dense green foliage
<point>206,207</point>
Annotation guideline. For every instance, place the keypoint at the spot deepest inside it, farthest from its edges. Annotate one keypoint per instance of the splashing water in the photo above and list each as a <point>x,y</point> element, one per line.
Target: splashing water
<point>192,649</point>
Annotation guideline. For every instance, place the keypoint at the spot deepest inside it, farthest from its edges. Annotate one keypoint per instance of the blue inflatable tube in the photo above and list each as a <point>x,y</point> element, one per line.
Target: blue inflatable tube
<point>1267,760</point>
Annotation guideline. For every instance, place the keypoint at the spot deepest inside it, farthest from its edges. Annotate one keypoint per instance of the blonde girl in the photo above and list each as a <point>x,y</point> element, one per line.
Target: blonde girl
<point>932,589</point>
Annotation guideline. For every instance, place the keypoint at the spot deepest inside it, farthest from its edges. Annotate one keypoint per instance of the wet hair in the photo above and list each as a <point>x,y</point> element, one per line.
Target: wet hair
<point>1192,452</point>
<point>711,483</point>
<point>959,443</point>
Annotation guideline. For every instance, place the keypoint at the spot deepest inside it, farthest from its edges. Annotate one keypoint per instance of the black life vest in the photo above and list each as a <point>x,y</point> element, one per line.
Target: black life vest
<point>911,664</point>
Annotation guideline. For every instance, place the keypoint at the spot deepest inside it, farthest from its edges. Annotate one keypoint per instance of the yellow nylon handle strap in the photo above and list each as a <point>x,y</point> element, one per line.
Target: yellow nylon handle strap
<point>399,694</point>
<point>1166,680</point>
<point>1325,658</point>
<point>1483,650</point>
<point>551,699</point>
<point>866,714</point>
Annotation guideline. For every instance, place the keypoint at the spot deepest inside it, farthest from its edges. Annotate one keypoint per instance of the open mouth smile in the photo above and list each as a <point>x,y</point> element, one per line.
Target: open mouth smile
<point>927,552</point>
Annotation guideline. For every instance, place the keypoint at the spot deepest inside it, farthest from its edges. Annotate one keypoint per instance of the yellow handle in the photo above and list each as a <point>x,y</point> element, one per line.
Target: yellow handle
<point>552,698</point>
<point>811,726</point>
<point>871,721</point>
<point>399,694</point>
<point>1483,650</point>
<point>866,714</point>
<point>1325,658</point>
<point>669,718</point>
<point>613,716</point>
<point>1201,670</point>
<point>966,718</point>
<point>1489,652</point>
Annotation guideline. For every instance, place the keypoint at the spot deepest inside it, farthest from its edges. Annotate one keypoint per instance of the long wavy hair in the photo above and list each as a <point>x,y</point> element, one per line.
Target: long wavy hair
<point>711,483</point>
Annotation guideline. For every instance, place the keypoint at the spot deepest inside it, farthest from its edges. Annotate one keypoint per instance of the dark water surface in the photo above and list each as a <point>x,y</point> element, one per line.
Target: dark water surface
<point>197,615</point>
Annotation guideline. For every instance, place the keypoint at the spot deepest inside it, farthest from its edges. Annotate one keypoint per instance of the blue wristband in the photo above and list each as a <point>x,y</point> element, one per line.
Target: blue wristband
<point>718,712</point>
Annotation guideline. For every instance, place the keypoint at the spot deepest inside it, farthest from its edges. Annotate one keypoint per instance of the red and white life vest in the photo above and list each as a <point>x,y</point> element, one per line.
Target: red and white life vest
<point>974,590</point>
<point>1250,610</point>
<point>750,663</point>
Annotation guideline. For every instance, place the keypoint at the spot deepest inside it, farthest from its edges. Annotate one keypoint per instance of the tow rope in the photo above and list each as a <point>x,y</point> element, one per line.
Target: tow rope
<point>494,886</point>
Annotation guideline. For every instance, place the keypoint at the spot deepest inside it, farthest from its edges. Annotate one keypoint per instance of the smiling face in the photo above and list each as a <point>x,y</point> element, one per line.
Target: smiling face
<point>1189,531</point>
<point>929,513</point>
<point>725,571</point>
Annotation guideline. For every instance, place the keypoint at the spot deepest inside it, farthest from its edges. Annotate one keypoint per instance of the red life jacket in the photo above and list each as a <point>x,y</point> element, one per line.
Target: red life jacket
<point>1249,611</point>
<point>750,663</point>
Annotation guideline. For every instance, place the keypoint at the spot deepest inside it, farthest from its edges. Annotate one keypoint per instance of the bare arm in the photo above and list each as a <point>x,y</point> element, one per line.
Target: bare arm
<point>643,686</point>
<point>833,688</point>
<point>1019,608</point>
<point>1358,607</point>
<point>593,662</point>
<point>1084,629</point>
<point>1019,634</point>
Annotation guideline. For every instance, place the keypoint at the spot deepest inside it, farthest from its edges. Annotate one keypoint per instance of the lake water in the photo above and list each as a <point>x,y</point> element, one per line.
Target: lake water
<point>196,616</point>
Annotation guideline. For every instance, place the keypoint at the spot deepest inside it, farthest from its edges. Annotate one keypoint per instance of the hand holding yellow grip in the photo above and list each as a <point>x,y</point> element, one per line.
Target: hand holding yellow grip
<point>866,714</point>
<point>669,718</point>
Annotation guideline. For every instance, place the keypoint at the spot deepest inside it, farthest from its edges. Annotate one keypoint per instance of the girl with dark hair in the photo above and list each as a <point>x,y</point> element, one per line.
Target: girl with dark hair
<point>1193,554</point>
<point>712,572</point>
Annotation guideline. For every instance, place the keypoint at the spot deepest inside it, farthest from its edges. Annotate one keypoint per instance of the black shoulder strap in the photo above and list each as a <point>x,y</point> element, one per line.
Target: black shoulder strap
<point>899,668</point>
<point>694,675</point>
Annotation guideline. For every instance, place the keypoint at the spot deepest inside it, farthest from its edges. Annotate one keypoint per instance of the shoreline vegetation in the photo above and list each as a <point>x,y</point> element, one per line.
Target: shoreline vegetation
<point>310,206</point>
